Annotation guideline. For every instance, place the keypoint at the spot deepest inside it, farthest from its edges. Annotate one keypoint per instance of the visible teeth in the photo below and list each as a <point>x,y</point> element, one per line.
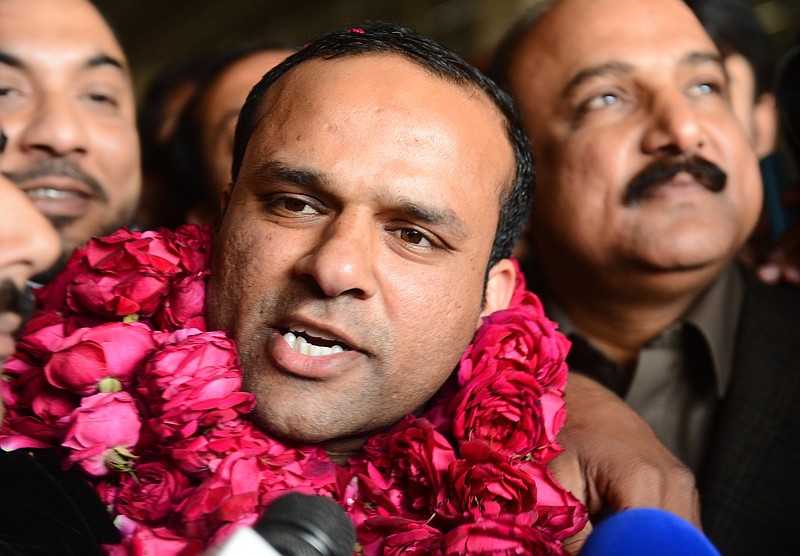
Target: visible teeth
<point>49,193</point>
<point>300,344</point>
<point>315,333</point>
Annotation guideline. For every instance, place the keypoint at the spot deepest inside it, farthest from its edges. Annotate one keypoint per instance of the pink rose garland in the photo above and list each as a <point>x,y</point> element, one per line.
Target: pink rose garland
<point>117,373</point>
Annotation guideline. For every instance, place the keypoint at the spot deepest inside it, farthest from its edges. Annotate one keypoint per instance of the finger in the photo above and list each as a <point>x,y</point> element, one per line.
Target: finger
<point>575,543</point>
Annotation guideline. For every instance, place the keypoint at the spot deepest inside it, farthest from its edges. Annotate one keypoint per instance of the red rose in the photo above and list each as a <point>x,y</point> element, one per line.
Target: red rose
<point>194,383</point>
<point>140,540</point>
<point>484,484</point>
<point>519,336</point>
<point>396,536</point>
<point>125,273</point>
<point>501,536</point>
<point>40,337</point>
<point>228,496</point>
<point>102,433</point>
<point>415,458</point>
<point>113,350</point>
<point>502,408</point>
<point>194,247</point>
<point>152,494</point>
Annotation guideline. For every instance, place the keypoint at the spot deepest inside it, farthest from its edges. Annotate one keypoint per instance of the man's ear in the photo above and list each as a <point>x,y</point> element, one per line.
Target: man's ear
<point>765,125</point>
<point>499,287</point>
<point>225,198</point>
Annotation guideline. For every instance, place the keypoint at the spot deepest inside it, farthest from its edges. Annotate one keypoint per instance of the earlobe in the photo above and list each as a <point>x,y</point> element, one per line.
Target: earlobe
<point>765,124</point>
<point>499,287</point>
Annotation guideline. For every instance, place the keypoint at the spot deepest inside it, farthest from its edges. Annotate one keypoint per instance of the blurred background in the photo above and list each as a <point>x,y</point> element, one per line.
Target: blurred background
<point>155,32</point>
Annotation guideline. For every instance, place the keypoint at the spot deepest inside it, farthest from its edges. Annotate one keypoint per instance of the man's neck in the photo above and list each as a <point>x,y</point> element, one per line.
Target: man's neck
<point>621,322</point>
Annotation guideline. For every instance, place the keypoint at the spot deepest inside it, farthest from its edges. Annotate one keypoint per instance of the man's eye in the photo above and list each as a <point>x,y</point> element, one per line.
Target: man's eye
<point>702,89</point>
<point>103,99</point>
<point>414,236</point>
<point>292,205</point>
<point>601,100</point>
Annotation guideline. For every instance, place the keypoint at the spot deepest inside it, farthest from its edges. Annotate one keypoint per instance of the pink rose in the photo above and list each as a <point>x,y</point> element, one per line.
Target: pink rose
<point>561,515</point>
<point>113,350</point>
<point>501,407</point>
<point>501,536</point>
<point>152,494</point>
<point>185,305</point>
<point>484,484</point>
<point>194,383</point>
<point>415,458</point>
<point>103,432</point>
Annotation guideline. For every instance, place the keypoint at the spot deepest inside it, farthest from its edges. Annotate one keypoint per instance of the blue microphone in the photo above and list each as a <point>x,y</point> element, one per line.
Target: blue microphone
<point>647,531</point>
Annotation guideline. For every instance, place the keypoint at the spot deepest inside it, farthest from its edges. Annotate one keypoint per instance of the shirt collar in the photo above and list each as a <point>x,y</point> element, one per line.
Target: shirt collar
<point>715,315</point>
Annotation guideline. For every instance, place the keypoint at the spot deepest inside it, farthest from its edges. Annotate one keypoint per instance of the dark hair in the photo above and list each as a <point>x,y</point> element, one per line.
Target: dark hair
<point>734,27</point>
<point>389,38</point>
<point>787,92</point>
<point>504,53</point>
<point>188,170</point>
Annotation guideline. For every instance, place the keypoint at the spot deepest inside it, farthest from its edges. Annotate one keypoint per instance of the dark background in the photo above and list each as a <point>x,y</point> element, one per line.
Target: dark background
<point>154,32</point>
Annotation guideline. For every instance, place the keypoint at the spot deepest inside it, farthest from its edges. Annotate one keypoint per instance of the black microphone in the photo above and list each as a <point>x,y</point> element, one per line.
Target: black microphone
<point>296,525</point>
<point>304,525</point>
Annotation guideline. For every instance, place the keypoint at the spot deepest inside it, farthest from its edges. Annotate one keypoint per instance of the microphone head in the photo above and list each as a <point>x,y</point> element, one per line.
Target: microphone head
<point>647,531</point>
<point>304,525</point>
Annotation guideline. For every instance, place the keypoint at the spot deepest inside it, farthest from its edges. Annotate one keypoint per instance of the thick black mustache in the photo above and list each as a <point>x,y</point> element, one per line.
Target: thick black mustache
<point>59,167</point>
<point>16,300</point>
<point>708,174</point>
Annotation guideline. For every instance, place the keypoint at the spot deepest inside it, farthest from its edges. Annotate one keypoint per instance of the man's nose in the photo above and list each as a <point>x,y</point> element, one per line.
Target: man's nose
<point>27,240</point>
<point>674,126</point>
<point>342,262</point>
<point>57,127</point>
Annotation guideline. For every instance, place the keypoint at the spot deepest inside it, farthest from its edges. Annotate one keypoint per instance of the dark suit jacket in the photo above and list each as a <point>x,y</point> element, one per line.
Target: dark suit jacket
<point>45,510</point>
<point>750,484</point>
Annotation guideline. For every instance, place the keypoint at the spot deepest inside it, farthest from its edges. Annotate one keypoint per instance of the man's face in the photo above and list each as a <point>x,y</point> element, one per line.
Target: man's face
<point>28,245</point>
<point>758,115</point>
<point>220,110</point>
<point>607,90</point>
<point>67,106</point>
<point>361,222</point>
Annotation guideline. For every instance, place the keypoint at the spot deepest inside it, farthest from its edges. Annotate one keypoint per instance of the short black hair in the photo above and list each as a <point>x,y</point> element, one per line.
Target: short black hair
<point>389,38</point>
<point>735,28</point>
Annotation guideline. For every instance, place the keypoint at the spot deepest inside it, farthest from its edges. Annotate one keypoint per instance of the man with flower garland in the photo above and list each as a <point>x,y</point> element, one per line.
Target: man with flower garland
<point>390,356</point>
<point>648,189</point>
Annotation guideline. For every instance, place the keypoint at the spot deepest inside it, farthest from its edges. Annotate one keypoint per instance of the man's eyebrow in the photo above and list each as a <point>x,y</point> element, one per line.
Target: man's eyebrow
<point>105,60</point>
<point>93,62</point>
<point>278,171</point>
<point>698,58</point>
<point>595,71</point>
<point>319,181</point>
<point>11,60</point>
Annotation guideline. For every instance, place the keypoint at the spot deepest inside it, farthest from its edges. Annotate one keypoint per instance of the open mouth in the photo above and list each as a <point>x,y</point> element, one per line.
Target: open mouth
<point>312,342</point>
<point>55,194</point>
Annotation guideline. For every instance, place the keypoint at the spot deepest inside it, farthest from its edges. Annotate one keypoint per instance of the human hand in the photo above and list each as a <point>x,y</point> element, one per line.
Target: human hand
<point>782,263</point>
<point>612,459</point>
